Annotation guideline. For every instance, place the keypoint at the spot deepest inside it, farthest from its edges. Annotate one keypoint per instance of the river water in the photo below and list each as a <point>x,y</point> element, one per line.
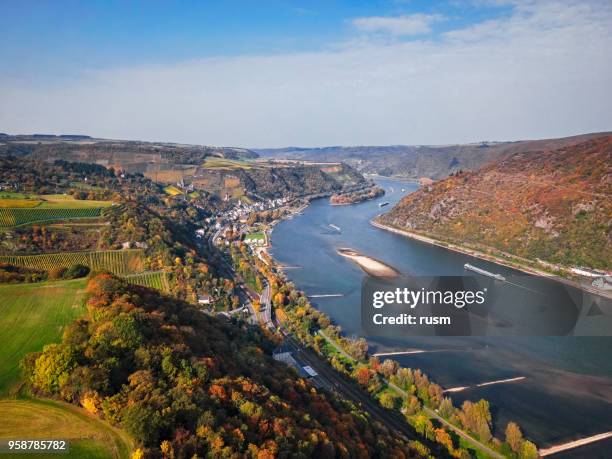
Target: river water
<point>567,390</point>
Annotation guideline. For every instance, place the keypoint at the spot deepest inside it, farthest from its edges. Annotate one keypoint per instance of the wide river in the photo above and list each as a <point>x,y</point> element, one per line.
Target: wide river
<point>566,392</point>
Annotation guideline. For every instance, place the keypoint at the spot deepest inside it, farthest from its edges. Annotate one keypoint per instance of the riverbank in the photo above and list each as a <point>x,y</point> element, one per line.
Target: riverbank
<point>491,258</point>
<point>307,246</point>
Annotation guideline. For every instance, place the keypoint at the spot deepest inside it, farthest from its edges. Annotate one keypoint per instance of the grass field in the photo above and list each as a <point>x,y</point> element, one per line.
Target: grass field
<point>32,315</point>
<point>157,280</point>
<point>255,237</point>
<point>117,261</point>
<point>172,190</point>
<point>88,436</point>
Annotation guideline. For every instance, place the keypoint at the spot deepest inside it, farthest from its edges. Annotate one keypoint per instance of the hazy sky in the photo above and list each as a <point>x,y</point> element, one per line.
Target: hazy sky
<point>279,73</point>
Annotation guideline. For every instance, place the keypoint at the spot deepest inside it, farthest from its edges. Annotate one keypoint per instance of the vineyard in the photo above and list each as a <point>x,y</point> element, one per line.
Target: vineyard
<point>120,262</point>
<point>157,280</point>
<point>26,215</point>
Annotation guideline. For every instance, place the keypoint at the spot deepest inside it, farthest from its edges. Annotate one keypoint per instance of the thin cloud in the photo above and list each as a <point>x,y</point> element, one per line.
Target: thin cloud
<point>543,71</point>
<point>399,26</point>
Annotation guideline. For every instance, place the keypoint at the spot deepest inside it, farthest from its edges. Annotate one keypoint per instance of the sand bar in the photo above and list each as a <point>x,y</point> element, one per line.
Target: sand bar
<point>370,265</point>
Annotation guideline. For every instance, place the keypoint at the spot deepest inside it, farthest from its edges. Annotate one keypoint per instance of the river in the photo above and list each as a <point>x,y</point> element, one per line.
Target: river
<point>567,390</point>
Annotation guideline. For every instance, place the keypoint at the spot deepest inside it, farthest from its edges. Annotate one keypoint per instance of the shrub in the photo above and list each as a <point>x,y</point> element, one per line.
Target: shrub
<point>76,271</point>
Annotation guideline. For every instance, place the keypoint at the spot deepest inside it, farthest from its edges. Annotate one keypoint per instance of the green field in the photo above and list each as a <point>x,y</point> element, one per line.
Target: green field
<point>213,162</point>
<point>19,209</point>
<point>32,315</point>
<point>255,237</point>
<point>26,215</point>
<point>117,261</point>
<point>157,280</point>
<point>88,437</point>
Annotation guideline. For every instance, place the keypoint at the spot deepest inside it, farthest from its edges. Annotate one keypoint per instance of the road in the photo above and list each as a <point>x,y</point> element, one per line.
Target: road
<point>265,306</point>
<point>334,381</point>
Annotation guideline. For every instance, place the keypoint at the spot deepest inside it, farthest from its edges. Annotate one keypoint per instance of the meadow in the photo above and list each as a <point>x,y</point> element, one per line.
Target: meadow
<point>88,436</point>
<point>120,262</point>
<point>32,315</point>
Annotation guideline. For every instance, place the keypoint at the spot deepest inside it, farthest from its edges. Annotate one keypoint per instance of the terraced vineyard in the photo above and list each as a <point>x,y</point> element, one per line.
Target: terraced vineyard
<point>120,262</point>
<point>157,280</point>
<point>26,215</point>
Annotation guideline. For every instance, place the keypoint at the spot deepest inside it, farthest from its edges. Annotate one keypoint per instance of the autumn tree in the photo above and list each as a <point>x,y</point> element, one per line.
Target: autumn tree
<point>446,409</point>
<point>389,367</point>
<point>411,405</point>
<point>362,375</point>
<point>514,436</point>
<point>443,438</point>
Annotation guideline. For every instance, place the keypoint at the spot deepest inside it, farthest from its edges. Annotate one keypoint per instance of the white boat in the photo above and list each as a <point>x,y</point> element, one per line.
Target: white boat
<point>470,267</point>
<point>337,228</point>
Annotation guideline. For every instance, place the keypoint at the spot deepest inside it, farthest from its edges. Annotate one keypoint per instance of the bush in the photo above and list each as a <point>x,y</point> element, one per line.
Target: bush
<point>76,271</point>
<point>57,273</point>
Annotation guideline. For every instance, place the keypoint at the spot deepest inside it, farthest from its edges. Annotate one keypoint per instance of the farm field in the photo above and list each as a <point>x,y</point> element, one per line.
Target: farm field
<point>225,164</point>
<point>26,215</point>
<point>32,315</point>
<point>48,201</point>
<point>18,209</point>
<point>88,436</point>
<point>157,280</point>
<point>172,190</point>
<point>120,262</point>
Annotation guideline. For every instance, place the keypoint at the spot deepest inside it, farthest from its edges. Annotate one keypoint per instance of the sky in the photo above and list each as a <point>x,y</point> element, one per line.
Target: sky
<point>285,73</point>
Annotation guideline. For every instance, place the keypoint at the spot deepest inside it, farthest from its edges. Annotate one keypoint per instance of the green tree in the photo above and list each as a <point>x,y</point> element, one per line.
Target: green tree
<point>388,400</point>
<point>52,368</point>
<point>528,450</point>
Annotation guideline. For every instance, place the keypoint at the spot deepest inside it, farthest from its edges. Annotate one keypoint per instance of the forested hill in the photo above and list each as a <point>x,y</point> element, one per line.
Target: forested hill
<point>130,156</point>
<point>416,161</point>
<point>551,204</point>
<point>183,383</point>
<point>222,172</point>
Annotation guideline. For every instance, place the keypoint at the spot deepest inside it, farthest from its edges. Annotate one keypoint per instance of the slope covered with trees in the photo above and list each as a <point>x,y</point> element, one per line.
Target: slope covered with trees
<point>554,205</point>
<point>180,381</point>
<point>416,161</point>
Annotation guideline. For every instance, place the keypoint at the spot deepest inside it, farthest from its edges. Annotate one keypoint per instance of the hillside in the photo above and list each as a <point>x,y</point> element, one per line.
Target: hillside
<point>130,156</point>
<point>178,380</point>
<point>551,204</point>
<point>416,161</point>
<point>223,172</point>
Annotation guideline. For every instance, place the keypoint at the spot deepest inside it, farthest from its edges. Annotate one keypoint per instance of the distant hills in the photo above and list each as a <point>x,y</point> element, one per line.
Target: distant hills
<point>129,156</point>
<point>416,161</point>
<point>224,172</point>
<point>548,200</point>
